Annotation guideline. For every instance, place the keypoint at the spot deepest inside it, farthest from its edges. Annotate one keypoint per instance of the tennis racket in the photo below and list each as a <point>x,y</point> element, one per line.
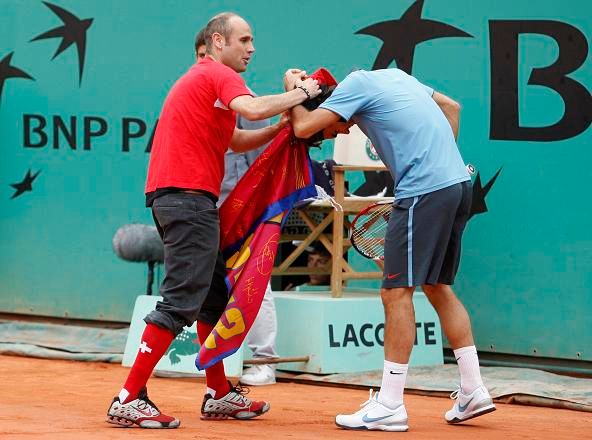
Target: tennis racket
<point>368,229</point>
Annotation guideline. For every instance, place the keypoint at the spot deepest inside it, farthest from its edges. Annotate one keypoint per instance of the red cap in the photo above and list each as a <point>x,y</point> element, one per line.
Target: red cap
<point>324,77</point>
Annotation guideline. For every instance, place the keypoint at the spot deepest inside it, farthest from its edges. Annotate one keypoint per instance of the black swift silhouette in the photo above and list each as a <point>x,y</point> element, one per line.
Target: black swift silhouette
<point>480,192</point>
<point>401,36</point>
<point>25,185</point>
<point>7,71</point>
<point>73,31</point>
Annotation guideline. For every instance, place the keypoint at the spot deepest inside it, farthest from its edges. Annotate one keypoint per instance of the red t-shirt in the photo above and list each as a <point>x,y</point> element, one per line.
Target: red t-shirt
<point>195,128</point>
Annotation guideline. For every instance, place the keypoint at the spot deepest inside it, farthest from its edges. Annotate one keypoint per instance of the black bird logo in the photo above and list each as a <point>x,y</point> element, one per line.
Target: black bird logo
<point>73,31</point>
<point>7,71</point>
<point>401,36</point>
<point>25,185</point>
<point>480,192</point>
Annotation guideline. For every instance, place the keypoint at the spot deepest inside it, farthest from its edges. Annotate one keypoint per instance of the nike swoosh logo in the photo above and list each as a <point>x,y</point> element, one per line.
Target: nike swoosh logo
<point>392,276</point>
<point>367,419</point>
<point>146,412</point>
<point>392,372</point>
<point>462,408</point>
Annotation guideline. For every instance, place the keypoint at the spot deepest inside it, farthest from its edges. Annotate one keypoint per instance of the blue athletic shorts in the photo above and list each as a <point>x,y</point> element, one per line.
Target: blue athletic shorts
<point>423,239</point>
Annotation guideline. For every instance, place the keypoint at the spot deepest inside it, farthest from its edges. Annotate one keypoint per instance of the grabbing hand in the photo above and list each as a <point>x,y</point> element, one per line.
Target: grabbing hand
<point>291,76</point>
<point>284,120</point>
<point>310,87</point>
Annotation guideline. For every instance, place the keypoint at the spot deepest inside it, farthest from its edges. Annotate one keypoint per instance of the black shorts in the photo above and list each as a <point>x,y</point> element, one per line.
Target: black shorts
<point>423,239</point>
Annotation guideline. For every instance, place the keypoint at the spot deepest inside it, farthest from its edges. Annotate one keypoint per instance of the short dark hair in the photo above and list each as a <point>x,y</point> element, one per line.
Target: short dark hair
<point>200,39</point>
<point>218,24</point>
<point>319,248</point>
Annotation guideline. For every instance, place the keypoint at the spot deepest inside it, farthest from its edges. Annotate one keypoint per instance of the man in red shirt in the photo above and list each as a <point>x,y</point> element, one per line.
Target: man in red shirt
<point>196,125</point>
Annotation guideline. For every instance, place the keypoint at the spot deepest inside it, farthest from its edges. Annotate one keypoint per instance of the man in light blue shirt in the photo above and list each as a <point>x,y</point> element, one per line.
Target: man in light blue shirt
<point>409,130</point>
<point>414,130</point>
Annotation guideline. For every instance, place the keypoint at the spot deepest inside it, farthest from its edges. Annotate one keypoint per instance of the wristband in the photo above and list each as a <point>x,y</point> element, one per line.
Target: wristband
<point>304,90</point>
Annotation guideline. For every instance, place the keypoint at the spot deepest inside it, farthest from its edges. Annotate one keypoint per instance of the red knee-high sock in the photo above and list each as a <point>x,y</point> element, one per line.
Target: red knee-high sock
<point>154,343</point>
<point>215,375</point>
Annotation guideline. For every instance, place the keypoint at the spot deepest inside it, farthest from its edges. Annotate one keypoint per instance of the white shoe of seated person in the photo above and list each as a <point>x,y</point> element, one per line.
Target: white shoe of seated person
<point>258,375</point>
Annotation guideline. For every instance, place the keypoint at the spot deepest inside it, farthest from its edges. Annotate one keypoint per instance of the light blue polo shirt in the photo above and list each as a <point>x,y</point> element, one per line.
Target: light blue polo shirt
<point>409,131</point>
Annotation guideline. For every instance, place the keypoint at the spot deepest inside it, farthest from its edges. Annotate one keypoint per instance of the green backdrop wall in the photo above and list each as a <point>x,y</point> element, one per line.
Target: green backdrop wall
<point>526,273</point>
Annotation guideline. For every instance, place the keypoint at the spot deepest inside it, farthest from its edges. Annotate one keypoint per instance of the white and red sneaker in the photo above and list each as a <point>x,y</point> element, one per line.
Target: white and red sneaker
<point>141,411</point>
<point>235,404</point>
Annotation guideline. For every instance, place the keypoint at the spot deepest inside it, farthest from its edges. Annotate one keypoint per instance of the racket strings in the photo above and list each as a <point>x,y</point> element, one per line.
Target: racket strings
<point>371,227</point>
<point>370,217</point>
<point>372,221</point>
<point>373,232</point>
<point>369,231</point>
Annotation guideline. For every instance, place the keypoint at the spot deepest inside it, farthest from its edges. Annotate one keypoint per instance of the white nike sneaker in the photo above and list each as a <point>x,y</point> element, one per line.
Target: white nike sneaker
<point>375,416</point>
<point>467,406</point>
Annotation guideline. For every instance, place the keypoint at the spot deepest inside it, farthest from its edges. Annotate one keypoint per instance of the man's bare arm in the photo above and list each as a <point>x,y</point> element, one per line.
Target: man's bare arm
<point>451,110</point>
<point>245,140</point>
<point>306,123</point>
<point>263,107</point>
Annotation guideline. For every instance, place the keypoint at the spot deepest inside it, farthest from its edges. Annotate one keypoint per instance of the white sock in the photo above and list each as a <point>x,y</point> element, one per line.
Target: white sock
<point>393,384</point>
<point>468,365</point>
<point>211,392</point>
<point>123,394</point>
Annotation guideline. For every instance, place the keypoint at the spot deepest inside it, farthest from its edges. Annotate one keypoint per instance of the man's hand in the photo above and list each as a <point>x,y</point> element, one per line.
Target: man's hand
<point>309,86</point>
<point>294,78</point>
<point>291,76</point>
<point>284,120</point>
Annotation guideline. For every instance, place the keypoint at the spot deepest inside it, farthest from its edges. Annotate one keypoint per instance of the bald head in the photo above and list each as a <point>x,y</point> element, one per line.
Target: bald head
<point>219,24</point>
<point>229,40</point>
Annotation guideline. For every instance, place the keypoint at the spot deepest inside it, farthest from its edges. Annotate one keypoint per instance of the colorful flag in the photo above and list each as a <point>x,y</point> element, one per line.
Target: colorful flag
<point>251,218</point>
<point>250,225</point>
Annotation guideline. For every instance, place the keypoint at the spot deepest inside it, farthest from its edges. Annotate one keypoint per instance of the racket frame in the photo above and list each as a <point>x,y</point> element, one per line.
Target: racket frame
<point>353,228</point>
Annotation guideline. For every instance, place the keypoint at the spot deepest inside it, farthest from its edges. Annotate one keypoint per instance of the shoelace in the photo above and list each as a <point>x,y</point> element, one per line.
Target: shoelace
<point>371,398</point>
<point>454,394</point>
<point>241,392</point>
<point>240,389</point>
<point>142,404</point>
<point>144,401</point>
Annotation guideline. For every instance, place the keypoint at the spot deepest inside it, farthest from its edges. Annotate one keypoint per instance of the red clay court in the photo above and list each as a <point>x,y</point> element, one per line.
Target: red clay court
<point>67,400</point>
